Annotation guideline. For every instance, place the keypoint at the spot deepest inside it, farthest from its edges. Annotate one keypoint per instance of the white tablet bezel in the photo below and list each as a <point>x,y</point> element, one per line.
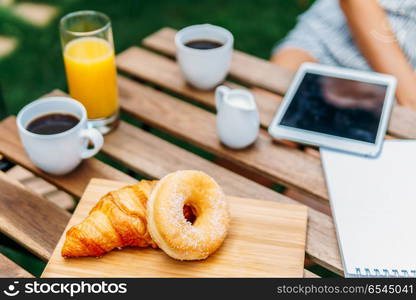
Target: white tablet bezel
<point>330,141</point>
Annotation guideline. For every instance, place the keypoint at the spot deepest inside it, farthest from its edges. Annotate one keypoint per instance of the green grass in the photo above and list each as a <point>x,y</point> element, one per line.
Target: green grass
<point>36,66</point>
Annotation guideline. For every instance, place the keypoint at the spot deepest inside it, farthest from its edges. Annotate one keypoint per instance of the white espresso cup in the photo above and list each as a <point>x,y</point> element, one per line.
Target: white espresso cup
<point>204,68</point>
<point>59,153</point>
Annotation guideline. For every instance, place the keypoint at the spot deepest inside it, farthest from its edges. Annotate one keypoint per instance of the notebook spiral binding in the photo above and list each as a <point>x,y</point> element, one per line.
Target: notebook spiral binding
<point>366,272</point>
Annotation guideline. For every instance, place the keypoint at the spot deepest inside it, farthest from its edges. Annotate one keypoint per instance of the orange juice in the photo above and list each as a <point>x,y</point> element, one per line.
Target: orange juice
<point>91,74</point>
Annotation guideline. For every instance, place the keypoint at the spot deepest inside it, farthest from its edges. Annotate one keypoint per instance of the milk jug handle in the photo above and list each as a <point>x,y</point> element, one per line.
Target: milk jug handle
<point>220,93</point>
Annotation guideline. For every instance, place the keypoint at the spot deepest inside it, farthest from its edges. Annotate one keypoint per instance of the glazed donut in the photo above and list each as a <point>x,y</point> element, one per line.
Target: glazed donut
<point>189,192</point>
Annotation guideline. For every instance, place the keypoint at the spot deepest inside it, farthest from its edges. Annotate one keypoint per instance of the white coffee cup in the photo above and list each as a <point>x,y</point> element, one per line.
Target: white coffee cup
<point>204,69</point>
<point>59,153</point>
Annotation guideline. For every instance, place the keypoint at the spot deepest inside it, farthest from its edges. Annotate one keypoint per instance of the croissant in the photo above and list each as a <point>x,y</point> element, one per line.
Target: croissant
<point>117,220</point>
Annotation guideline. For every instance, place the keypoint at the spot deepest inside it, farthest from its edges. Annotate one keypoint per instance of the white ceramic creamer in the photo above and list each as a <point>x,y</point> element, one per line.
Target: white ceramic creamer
<point>238,120</point>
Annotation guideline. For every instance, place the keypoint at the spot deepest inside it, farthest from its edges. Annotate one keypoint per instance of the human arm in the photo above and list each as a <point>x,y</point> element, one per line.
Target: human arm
<point>376,40</point>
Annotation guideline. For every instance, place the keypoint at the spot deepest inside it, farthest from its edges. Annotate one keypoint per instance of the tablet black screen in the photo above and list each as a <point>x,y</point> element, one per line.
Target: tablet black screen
<point>336,106</point>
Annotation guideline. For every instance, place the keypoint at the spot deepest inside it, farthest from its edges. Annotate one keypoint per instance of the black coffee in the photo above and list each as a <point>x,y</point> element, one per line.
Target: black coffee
<point>52,123</point>
<point>203,44</point>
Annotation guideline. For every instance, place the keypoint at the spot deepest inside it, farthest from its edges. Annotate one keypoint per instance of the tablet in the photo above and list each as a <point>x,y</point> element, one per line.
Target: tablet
<point>336,108</point>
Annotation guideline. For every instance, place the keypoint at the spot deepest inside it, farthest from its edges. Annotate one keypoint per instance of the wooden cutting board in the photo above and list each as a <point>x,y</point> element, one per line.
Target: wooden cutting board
<point>266,239</point>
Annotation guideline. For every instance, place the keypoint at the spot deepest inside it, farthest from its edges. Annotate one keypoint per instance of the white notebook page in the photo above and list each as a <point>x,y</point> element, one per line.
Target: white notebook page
<point>373,202</point>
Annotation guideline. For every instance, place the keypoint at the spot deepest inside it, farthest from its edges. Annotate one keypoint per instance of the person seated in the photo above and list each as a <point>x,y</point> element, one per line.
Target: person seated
<point>378,35</point>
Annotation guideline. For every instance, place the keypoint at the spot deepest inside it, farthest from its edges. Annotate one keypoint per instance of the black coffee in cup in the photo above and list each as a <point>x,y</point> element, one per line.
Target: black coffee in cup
<point>203,44</point>
<point>52,123</point>
<point>204,54</point>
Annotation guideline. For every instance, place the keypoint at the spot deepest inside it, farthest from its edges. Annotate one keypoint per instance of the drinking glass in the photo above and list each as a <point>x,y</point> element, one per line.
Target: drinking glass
<point>88,52</point>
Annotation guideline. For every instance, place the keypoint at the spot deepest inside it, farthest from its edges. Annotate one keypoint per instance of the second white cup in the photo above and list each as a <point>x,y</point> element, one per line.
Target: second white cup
<point>58,153</point>
<point>204,68</point>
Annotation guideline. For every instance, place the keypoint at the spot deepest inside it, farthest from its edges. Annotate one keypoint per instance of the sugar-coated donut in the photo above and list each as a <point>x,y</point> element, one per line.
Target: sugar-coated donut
<point>173,233</point>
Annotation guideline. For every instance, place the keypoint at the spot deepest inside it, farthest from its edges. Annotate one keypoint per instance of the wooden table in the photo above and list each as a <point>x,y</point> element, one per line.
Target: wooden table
<point>163,115</point>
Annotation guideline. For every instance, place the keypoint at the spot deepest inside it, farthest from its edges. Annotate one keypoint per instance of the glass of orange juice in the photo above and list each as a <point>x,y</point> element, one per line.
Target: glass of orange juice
<point>88,51</point>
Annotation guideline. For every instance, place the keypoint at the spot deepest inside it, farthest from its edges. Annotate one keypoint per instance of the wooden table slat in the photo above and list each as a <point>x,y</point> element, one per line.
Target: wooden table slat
<point>148,105</point>
<point>41,187</point>
<point>266,239</point>
<point>8,269</point>
<point>149,155</point>
<point>29,219</point>
<point>244,67</point>
<point>165,72</point>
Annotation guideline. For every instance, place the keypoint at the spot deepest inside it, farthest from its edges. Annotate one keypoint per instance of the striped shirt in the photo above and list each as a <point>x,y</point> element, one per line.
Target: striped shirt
<point>323,32</point>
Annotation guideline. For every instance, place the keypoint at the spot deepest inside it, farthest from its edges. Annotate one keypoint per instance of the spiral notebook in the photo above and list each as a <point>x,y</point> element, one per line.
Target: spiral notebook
<point>373,201</point>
